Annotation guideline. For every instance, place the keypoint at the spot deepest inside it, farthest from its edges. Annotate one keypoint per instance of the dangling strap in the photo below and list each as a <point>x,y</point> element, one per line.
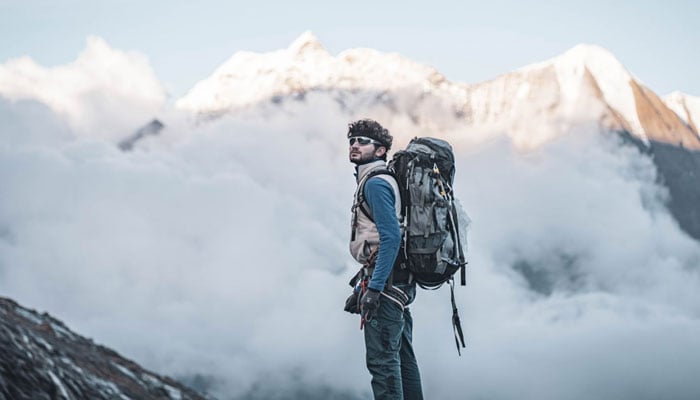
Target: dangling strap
<point>456,323</point>
<point>354,223</point>
<point>460,251</point>
<point>363,290</point>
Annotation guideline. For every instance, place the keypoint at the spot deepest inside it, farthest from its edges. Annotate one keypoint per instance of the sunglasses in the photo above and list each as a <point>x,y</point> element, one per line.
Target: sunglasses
<point>362,140</point>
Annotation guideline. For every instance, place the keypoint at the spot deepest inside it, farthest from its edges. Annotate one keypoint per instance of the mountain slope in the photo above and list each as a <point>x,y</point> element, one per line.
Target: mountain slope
<point>686,107</point>
<point>43,359</point>
<point>586,84</point>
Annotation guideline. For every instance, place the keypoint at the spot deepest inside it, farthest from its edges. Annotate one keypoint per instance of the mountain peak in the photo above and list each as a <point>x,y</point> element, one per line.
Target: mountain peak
<point>586,70</point>
<point>587,53</point>
<point>598,60</point>
<point>307,42</point>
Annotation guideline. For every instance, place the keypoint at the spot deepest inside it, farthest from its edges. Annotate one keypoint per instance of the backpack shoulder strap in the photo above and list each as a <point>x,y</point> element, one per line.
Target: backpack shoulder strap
<point>361,201</point>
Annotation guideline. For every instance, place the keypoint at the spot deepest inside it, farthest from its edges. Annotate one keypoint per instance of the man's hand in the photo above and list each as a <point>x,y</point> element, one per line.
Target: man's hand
<point>369,304</point>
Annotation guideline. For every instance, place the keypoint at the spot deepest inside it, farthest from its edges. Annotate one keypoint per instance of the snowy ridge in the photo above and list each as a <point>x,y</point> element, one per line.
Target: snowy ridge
<point>248,78</point>
<point>585,85</point>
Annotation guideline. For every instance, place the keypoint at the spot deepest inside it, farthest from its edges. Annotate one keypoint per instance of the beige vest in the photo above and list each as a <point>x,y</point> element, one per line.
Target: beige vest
<point>364,237</point>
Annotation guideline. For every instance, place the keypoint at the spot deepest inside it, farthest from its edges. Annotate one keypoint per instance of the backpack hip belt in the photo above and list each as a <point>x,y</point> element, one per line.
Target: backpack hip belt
<point>390,291</point>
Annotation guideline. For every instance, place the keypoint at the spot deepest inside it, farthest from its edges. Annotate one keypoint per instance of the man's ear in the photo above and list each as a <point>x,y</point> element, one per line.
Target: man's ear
<point>381,150</point>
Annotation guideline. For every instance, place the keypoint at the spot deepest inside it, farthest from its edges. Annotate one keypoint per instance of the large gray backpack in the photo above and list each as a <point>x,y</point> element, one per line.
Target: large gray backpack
<point>432,244</point>
<point>432,247</point>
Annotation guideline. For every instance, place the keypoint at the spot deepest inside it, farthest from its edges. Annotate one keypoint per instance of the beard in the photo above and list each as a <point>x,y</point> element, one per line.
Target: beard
<point>363,158</point>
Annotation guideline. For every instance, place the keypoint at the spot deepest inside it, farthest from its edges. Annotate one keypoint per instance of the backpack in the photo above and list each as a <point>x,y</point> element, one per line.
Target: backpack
<point>432,247</point>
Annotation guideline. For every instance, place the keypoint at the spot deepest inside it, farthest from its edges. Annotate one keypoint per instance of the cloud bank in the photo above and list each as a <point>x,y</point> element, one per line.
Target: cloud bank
<point>103,93</point>
<point>219,250</point>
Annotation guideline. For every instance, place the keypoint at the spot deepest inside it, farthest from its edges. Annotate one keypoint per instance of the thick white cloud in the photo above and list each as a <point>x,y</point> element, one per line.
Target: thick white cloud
<point>221,250</point>
<point>103,93</point>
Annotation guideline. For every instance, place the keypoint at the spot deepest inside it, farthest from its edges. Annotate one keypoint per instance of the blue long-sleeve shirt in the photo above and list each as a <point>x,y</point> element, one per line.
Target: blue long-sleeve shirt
<point>381,199</point>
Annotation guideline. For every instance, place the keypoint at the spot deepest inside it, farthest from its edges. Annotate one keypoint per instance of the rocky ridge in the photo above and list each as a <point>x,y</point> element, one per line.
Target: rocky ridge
<point>41,358</point>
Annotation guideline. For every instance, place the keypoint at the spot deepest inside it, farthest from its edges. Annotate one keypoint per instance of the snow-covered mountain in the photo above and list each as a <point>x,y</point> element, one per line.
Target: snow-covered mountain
<point>44,359</point>
<point>247,78</point>
<point>585,85</point>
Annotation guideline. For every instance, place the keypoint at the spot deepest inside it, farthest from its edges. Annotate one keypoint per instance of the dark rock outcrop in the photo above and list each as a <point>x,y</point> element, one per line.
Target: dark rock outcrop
<point>152,128</point>
<point>40,358</point>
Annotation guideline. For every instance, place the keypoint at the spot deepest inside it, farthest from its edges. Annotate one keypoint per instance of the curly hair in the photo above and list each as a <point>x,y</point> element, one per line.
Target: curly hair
<point>371,129</point>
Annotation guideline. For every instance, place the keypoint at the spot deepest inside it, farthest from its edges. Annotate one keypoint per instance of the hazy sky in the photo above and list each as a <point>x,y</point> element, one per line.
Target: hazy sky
<point>468,41</point>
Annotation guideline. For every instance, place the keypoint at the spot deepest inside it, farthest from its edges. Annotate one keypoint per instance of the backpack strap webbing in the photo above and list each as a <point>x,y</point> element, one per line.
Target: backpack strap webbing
<point>456,323</point>
<point>361,201</point>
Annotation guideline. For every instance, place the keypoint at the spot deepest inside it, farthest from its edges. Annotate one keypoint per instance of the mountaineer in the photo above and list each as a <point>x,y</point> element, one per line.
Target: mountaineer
<point>383,288</point>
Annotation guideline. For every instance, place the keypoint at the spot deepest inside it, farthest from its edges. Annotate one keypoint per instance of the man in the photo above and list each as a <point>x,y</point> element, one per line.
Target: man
<point>385,287</point>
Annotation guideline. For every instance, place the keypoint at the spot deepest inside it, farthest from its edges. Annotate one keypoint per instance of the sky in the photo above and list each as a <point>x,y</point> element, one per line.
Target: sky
<point>219,249</point>
<point>468,41</point>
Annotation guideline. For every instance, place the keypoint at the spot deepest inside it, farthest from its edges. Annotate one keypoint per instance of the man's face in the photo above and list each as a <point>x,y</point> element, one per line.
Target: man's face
<point>361,153</point>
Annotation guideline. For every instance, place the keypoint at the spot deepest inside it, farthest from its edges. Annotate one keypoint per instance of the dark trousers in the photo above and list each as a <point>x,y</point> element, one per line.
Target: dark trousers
<point>390,357</point>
